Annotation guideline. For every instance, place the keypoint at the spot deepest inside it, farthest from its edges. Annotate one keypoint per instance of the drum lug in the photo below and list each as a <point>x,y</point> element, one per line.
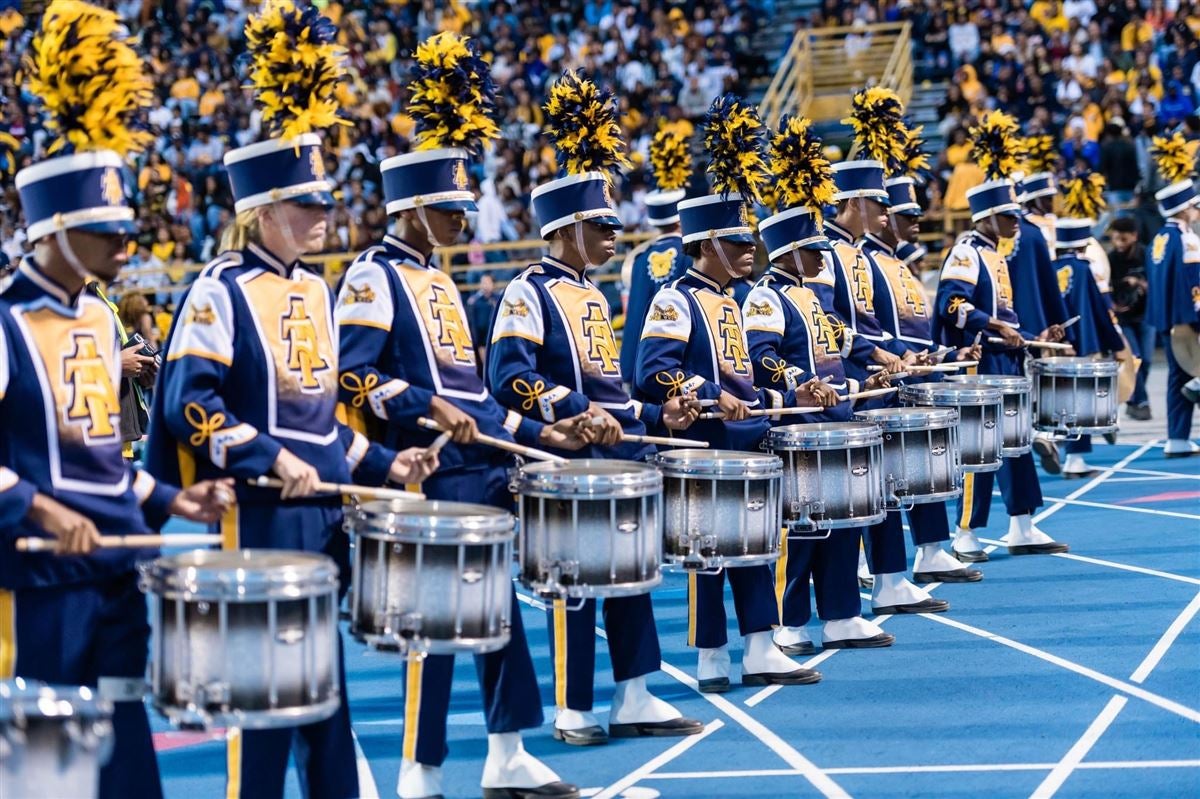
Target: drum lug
<point>1064,425</point>
<point>552,585</point>
<point>891,499</point>
<point>804,510</point>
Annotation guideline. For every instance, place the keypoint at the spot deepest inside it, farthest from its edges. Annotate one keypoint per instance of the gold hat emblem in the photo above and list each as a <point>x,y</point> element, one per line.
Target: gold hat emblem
<point>743,215</point>
<point>316,164</point>
<point>460,176</point>
<point>912,193</point>
<point>608,198</point>
<point>111,188</point>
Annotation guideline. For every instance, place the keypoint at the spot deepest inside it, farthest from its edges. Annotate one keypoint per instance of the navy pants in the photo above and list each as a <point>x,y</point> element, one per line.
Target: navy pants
<point>753,603</point>
<point>256,761</point>
<point>832,563</point>
<point>1179,410</point>
<point>1017,476</point>
<point>1078,446</point>
<point>81,634</point>
<point>506,677</point>
<point>884,543</point>
<point>928,523</point>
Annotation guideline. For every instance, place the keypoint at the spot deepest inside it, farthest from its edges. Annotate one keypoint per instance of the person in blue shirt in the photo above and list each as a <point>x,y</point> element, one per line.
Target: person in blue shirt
<point>654,263</point>
<point>1173,272</point>
<point>481,307</point>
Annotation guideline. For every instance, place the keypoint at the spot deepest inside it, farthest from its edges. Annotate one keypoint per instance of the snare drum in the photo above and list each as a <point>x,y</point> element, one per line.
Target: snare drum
<point>245,638</point>
<point>1075,396</point>
<point>980,436</point>
<point>431,576</point>
<point>920,454</point>
<point>722,507</point>
<point>1017,422</point>
<point>589,528</point>
<point>53,740</point>
<point>832,475</point>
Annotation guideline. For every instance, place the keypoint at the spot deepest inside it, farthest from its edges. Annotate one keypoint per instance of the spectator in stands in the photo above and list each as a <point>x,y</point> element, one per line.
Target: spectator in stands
<point>1078,149</point>
<point>481,306</point>
<point>1118,163</point>
<point>1127,258</point>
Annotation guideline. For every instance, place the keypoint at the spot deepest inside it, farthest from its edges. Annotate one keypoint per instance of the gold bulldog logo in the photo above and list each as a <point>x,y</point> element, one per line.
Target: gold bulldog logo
<point>515,308</point>
<point>758,309</point>
<point>661,263</point>
<point>1159,248</point>
<point>202,315</point>
<point>663,313</point>
<point>355,294</point>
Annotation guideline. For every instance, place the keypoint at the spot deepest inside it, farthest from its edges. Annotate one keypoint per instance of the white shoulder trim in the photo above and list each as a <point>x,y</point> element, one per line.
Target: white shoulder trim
<point>763,310</point>
<point>205,324</point>
<point>365,297</point>
<point>519,313</point>
<point>669,315</point>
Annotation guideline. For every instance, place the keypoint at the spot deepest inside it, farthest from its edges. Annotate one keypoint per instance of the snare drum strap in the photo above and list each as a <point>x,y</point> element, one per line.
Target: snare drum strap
<point>121,689</point>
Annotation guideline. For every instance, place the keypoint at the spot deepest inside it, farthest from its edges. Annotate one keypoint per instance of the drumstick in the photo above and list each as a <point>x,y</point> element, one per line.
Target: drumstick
<point>931,367</point>
<point>766,412</point>
<point>1045,345</point>
<point>376,492</point>
<point>499,443</point>
<point>978,338</point>
<point>663,440</point>
<point>706,403</point>
<point>873,392</point>
<point>1069,322</point>
<point>437,444</point>
<point>126,542</point>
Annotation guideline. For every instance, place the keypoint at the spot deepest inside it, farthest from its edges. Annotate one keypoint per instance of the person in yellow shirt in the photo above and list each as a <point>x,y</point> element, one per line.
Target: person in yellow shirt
<point>212,99</point>
<point>1136,32</point>
<point>1049,14</point>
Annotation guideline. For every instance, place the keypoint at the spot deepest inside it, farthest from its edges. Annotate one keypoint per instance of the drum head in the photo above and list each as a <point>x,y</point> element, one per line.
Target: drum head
<point>1075,367</point>
<point>720,463</point>
<point>948,394</point>
<point>430,521</point>
<point>823,435</point>
<point>911,418</point>
<point>241,575</point>
<point>22,699</point>
<point>588,477</point>
<point>1009,384</point>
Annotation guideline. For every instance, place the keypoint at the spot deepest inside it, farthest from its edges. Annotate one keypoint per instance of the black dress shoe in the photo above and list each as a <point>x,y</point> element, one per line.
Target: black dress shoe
<point>594,735</point>
<point>974,556</point>
<point>558,790</point>
<point>866,582</point>
<point>1179,454</point>
<point>1048,451</point>
<point>650,729</point>
<point>802,648</point>
<point>1111,438</point>
<point>715,685</point>
<point>930,605</point>
<point>874,642</point>
<point>1139,412</point>
<point>1051,548</point>
<point>794,677</point>
<point>955,576</point>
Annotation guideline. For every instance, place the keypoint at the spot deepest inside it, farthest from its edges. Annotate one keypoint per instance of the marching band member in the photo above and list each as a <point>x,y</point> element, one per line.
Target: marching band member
<point>1036,297</point>
<point>903,312</point>
<point>250,380</point>
<point>1083,280</point>
<point>76,616</point>
<point>974,299</point>
<point>653,264</point>
<point>793,343</point>
<point>1173,271</point>
<point>552,355</point>
<point>862,198</point>
<point>693,341</point>
<point>407,352</point>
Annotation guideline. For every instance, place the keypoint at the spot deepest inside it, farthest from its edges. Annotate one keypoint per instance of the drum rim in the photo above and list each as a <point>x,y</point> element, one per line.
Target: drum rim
<point>169,577</point>
<point>417,521</point>
<point>1021,383</point>
<point>854,433</point>
<point>905,418</point>
<point>22,699</point>
<point>548,479</point>
<point>274,718</point>
<point>929,393</point>
<point>1075,366</point>
<point>694,463</point>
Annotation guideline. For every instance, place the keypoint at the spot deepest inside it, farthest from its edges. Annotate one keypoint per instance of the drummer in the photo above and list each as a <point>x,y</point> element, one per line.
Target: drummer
<point>1174,276</point>
<point>903,311</point>
<point>75,617</point>
<point>406,352</point>
<point>553,355</point>
<point>658,261</point>
<point>974,300</point>
<point>693,341</point>
<point>792,343</point>
<point>250,381</point>
<point>1086,293</point>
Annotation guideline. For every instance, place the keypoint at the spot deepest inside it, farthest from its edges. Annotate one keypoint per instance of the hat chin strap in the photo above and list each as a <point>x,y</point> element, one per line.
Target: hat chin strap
<point>285,228</point>
<point>428,229</point>
<point>720,248</point>
<point>579,246</point>
<point>64,246</point>
<point>799,264</point>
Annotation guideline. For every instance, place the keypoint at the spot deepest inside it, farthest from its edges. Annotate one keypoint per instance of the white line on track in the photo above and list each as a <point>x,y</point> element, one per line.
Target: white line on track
<point>1095,765</point>
<point>1166,641</point>
<point>638,774</point>
<point>1075,755</point>
<point>1129,508</point>
<point>1095,481</point>
<point>1154,472</point>
<point>367,789</point>
<point>1182,578</point>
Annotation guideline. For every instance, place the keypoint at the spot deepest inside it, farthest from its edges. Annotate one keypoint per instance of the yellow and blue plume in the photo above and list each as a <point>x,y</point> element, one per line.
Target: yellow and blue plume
<point>735,138</point>
<point>1083,195</point>
<point>1040,154</point>
<point>877,118</point>
<point>915,160</point>
<point>1176,158</point>
<point>996,145</point>
<point>671,160</point>
<point>295,67</point>
<point>581,123</point>
<point>91,81</point>
<point>453,97</point>
<point>802,174</point>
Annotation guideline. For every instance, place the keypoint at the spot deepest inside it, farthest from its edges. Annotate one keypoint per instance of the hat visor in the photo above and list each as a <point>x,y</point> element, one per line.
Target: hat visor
<point>607,221</point>
<point>125,227</point>
<point>823,244</point>
<point>917,212</point>
<point>454,205</point>
<point>314,199</point>
<point>1009,212</point>
<point>739,238</point>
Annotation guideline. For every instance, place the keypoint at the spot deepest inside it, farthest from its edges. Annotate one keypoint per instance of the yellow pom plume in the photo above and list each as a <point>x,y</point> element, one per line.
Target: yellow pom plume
<point>1176,159</point>
<point>92,82</point>
<point>1040,154</point>
<point>453,97</point>
<point>735,137</point>
<point>803,176</point>
<point>996,145</point>
<point>1083,196</point>
<point>877,117</point>
<point>582,124</point>
<point>916,160</point>
<point>670,159</point>
<point>295,67</point>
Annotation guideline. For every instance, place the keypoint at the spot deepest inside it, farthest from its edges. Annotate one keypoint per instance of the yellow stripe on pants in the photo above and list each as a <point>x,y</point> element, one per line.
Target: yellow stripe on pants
<point>560,653</point>
<point>412,705</point>
<point>691,641</point>
<point>233,763</point>
<point>8,635</point>
<point>781,574</point>
<point>968,500</point>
